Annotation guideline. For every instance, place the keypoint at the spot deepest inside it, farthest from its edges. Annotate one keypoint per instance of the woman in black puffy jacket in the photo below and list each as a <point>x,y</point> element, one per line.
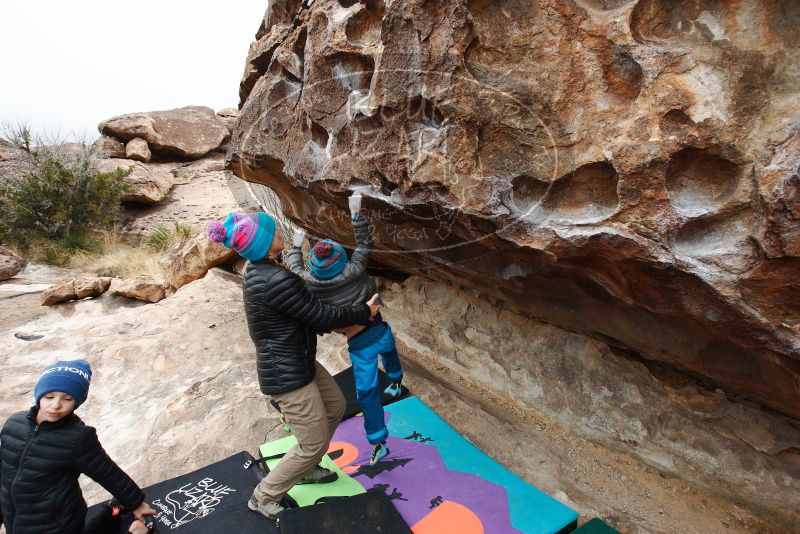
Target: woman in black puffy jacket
<point>284,319</point>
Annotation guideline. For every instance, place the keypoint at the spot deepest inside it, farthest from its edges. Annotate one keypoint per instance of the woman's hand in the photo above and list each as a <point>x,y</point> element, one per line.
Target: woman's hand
<point>137,527</point>
<point>374,306</point>
<point>298,238</point>
<point>143,510</point>
<point>355,203</point>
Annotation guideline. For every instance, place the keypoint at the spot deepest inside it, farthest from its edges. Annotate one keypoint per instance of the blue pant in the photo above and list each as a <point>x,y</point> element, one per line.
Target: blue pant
<point>364,349</point>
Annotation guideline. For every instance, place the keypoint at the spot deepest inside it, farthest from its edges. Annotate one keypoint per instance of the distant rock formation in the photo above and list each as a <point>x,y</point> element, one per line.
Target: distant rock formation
<point>169,138</point>
<point>189,132</point>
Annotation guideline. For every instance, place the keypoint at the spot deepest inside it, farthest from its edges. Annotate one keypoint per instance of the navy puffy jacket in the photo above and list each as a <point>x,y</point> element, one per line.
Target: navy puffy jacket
<point>39,491</point>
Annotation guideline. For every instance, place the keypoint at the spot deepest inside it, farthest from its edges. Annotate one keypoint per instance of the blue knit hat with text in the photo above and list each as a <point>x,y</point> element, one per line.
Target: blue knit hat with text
<point>249,234</point>
<point>67,376</point>
<point>327,259</point>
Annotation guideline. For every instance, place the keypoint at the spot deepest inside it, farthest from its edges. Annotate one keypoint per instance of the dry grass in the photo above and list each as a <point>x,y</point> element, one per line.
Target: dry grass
<point>118,259</point>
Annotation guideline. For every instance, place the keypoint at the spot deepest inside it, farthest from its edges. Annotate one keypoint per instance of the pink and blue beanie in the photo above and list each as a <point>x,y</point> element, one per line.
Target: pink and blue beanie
<point>68,376</point>
<point>327,259</point>
<point>249,234</point>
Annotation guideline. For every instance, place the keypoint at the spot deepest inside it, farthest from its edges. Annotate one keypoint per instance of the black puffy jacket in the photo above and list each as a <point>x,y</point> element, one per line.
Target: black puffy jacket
<point>39,491</point>
<point>284,319</point>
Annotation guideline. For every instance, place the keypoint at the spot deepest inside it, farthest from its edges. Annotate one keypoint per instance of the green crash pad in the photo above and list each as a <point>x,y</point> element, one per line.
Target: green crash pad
<point>307,494</point>
<point>596,526</point>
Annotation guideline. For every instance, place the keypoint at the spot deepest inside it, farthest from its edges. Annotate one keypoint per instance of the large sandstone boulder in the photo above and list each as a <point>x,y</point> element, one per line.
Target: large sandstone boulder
<point>75,289</point>
<point>627,170</point>
<point>189,132</point>
<point>192,259</point>
<point>150,183</point>
<point>10,263</point>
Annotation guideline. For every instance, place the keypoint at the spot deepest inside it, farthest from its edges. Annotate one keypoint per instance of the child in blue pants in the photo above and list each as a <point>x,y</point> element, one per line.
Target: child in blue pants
<point>337,281</point>
<point>365,347</point>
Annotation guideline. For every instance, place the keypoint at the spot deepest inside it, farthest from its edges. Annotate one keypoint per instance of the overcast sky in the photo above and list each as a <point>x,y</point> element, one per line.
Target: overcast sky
<point>69,64</point>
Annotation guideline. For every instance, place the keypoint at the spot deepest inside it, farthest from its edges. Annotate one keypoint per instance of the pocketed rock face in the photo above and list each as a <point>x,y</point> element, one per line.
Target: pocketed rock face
<point>625,170</point>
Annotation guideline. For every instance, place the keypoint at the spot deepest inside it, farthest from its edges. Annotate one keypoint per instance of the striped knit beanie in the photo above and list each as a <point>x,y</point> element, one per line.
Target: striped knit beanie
<point>327,259</point>
<point>249,234</point>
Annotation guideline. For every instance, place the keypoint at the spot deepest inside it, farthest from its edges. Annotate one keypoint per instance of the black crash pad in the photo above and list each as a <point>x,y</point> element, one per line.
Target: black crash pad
<point>347,383</point>
<point>367,513</point>
<point>210,500</point>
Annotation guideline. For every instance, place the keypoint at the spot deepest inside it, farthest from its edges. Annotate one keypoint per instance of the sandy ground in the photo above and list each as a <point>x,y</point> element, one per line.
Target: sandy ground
<point>21,297</point>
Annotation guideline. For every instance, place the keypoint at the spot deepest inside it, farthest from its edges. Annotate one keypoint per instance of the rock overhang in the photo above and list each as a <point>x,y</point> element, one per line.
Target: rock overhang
<point>564,161</point>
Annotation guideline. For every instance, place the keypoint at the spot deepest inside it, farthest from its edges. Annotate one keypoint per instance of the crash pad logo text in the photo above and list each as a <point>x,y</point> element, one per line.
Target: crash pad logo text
<point>190,502</point>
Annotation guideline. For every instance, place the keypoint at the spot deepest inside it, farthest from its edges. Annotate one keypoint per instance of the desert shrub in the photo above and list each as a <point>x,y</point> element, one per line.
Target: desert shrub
<point>53,192</point>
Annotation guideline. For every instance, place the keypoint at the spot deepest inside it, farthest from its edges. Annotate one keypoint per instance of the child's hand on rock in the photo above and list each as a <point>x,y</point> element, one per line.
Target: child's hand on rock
<point>299,237</point>
<point>355,203</point>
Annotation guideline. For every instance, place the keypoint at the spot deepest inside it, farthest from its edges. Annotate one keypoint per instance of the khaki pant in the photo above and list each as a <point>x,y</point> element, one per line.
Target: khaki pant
<point>313,412</point>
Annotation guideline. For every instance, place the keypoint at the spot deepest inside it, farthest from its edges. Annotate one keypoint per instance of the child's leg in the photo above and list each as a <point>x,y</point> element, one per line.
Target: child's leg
<point>391,360</point>
<point>365,368</point>
<point>392,366</point>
